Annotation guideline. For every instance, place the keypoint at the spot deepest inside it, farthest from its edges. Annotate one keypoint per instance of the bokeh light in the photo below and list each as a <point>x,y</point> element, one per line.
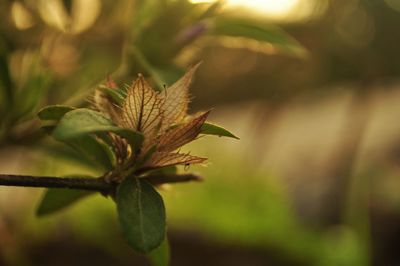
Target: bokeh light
<point>273,10</point>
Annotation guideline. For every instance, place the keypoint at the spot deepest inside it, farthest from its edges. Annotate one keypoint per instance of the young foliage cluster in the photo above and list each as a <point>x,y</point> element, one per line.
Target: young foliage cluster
<point>133,133</point>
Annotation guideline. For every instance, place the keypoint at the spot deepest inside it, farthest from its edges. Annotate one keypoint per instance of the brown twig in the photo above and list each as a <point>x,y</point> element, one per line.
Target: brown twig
<point>94,184</point>
<point>81,183</point>
<point>161,179</point>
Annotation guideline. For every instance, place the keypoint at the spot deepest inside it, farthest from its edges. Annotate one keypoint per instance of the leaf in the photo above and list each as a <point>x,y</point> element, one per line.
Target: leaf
<point>257,32</point>
<point>176,99</point>
<point>163,159</point>
<point>84,121</point>
<point>90,147</point>
<point>54,112</point>
<point>108,149</point>
<point>211,129</point>
<point>93,150</point>
<point>110,89</point>
<point>55,199</point>
<point>134,138</point>
<point>183,134</point>
<point>161,255</point>
<point>141,110</point>
<point>105,104</point>
<point>77,157</point>
<point>141,214</point>
<point>117,95</point>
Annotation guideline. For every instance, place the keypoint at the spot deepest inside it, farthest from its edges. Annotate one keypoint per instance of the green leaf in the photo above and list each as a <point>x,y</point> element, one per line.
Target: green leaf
<point>80,122</point>
<point>211,129</point>
<point>108,149</point>
<point>161,255</point>
<point>68,154</point>
<point>93,150</point>
<point>75,128</point>
<point>116,94</point>
<point>54,112</point>
<point>259,32</point>
<point>141,214</point>
<point>56,199</point>
<point>85,121</point>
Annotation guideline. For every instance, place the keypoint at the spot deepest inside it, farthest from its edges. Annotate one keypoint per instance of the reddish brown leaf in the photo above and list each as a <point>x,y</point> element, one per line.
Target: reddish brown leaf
<point>181,135</point>
<point>162,159</point>
<point>142,109</point>
<point>176,99</point>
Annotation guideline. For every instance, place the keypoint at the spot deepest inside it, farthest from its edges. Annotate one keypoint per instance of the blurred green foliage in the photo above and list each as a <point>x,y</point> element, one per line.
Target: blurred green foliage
<point>46,57</point>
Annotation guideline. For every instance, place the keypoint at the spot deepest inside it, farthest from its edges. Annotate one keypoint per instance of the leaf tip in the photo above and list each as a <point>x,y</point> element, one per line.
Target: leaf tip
<point>207,113</point>
<point>235,137</point>
<point>196,66</point>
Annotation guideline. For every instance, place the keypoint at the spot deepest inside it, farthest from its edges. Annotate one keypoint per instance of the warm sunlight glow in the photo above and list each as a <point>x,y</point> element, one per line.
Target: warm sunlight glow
<point>272,8</point>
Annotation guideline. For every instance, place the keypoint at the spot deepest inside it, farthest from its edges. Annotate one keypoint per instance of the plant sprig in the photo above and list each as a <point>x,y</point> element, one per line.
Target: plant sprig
<point>135,134</point>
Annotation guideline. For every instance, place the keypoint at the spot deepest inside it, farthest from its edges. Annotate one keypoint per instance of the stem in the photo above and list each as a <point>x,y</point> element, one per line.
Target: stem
<point>81,183</point>
<point>160,179</point>
<point>94,184</point>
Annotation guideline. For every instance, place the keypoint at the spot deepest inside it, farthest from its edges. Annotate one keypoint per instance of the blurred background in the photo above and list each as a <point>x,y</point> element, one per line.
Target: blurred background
<point>310,86</point>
